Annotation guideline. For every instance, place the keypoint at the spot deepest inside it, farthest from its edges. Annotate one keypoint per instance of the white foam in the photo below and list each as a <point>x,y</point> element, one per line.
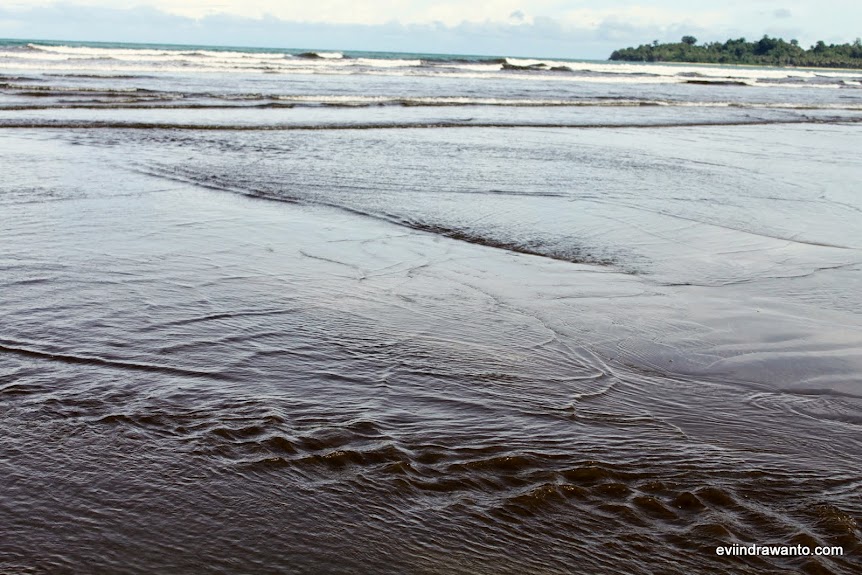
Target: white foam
<point>153,60</point>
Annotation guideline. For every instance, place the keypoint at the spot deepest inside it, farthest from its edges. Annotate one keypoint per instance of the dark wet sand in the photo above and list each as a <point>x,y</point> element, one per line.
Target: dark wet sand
<point>195,381</point>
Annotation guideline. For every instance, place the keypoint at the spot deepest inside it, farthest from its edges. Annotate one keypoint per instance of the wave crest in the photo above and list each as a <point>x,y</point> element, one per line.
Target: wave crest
<point>321,55</point>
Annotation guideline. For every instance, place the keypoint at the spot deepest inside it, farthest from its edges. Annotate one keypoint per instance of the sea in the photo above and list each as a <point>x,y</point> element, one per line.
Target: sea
<point>316,311</point>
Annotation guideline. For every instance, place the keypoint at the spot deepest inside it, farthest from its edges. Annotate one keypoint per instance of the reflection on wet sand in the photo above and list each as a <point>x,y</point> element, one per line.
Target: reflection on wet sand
<point>192,377</point>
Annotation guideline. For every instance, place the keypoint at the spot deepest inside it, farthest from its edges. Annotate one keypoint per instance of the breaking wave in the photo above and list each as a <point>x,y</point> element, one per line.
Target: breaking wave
<point>120,59</point>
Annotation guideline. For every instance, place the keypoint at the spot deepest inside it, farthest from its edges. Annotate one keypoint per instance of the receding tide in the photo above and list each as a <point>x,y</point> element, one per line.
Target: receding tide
<point>281,311</point>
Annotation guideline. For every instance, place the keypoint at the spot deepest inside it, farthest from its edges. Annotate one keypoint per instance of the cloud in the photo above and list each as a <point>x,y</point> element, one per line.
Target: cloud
<point>552,28</point>
<point>373,12</point>
<point>783,13</point>
<point>644,16</point>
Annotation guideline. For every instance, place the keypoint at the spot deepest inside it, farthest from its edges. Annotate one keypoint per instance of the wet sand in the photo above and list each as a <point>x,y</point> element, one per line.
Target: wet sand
<point>195,380</point>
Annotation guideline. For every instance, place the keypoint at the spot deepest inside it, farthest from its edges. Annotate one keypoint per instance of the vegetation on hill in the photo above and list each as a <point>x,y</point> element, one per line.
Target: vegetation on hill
<point>765,52</point>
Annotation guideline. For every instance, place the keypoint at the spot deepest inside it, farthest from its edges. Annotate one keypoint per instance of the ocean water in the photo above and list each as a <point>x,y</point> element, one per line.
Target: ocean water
<point>308,311</point>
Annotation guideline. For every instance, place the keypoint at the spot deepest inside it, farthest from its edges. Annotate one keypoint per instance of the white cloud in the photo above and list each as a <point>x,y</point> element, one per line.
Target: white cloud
<point>369,12</point>
<point>564,28</point>
<point>643,16</point>
<point>590,13</point>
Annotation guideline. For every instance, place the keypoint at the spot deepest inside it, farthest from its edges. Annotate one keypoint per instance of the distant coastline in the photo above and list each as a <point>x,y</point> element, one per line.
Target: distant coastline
<point>764,52</point>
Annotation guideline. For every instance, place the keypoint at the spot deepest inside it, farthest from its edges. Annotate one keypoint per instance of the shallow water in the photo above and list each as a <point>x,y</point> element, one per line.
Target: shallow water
<point>602,338</point>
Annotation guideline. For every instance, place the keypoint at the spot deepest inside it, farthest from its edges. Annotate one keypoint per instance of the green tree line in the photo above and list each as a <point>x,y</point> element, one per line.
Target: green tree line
<point>765,52</point>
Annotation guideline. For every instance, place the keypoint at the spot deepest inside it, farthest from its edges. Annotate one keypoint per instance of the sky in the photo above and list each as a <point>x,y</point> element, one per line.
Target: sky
<point>548,28</point>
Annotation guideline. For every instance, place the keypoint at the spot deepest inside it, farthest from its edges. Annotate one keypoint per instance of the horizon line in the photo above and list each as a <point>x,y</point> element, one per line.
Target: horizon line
<point>318,49</point>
